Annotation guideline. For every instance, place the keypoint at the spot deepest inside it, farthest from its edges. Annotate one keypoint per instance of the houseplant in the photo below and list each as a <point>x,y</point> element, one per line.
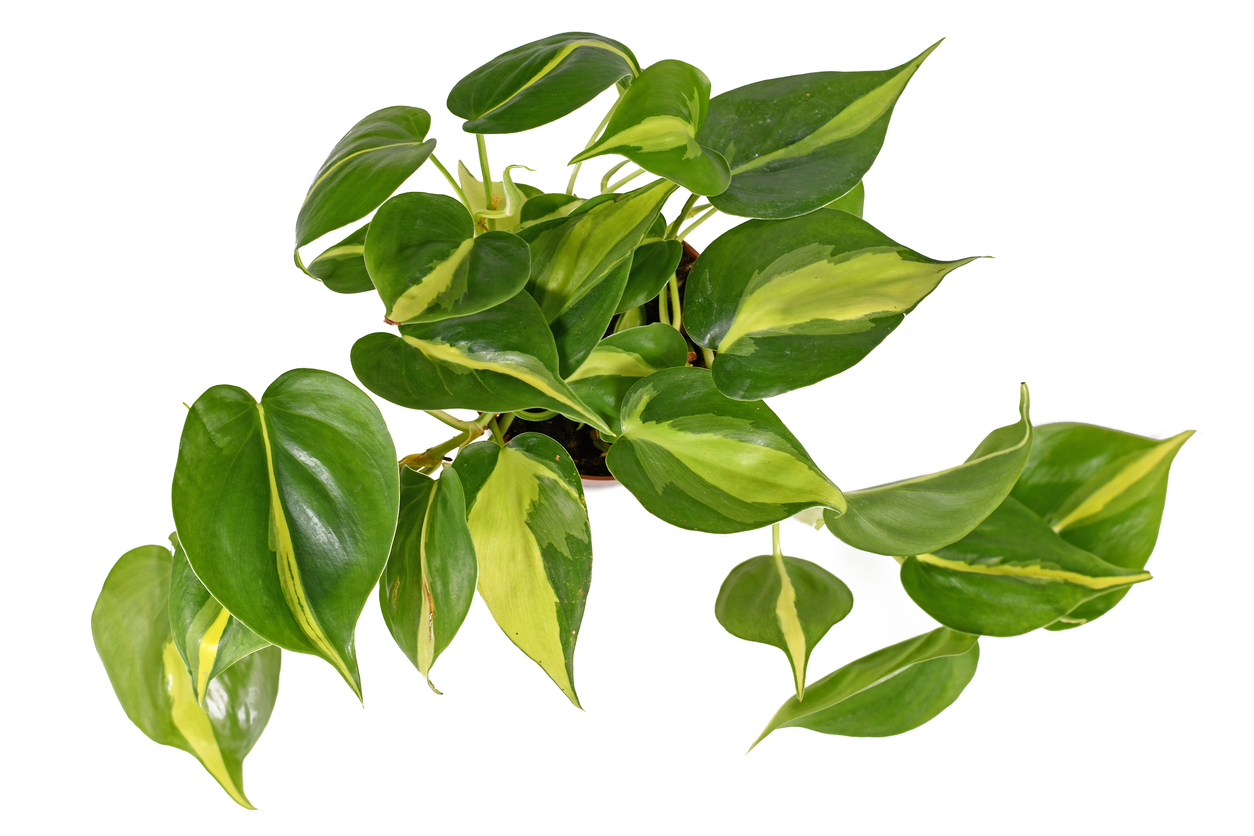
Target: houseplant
<point>587,343</point>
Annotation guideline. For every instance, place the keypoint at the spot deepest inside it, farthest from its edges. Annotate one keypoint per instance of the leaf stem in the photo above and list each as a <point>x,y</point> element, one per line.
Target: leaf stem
<point>452,421</point>
<point>677,313</point>
<point>709,357</point>
<point>497,435</point>
<point>542,415</point>
<point>606,179</point>
<point>570,187</point>
<point>429,460</point>
<point>673,230</point>
<point>662,314</point>
<point>616,184</point>
<point>456,187</point>
<point>485,170</point>
<point>775,540</point>
<point>505,423</point>
<point>692,226</point>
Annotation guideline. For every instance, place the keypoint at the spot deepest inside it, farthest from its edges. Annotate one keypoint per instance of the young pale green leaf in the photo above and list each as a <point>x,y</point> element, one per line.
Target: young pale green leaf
<point>207,637</point>
<point>619,361</point>
<point>887,692</point>
<point>539,82</point>
<point>499,360</point>
<point>131,629</point>
<point>286,508</point>
<point>797,143</point>
<point>428,265</point>
<point>928,512</point>
<point>702,461</point>
<point>785,602</point>
<point>547,207</point>
<point>652,266</point>
<point>853,201</point>
<point>655,125</point>
<point>529,523</point>
<point>1011,575</point>
<point>1103,491</point>
<point>342,267</point>
<point>363,169</point>
<point>789,303</point>
<point>429,581</point>
<point>508,198</point>
<point>580,265</point>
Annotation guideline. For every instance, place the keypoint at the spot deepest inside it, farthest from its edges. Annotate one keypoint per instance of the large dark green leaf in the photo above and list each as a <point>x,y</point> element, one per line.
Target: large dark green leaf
<point>702,461</point>
<point>789,303</point>
<point>131,629</point>
<point>286,508</point>
<point>341,267</point>
<point>539,82</point>
<point>619,361</point>
<point>797,143</point>
<point>527,516</point>
<point>652,266</point>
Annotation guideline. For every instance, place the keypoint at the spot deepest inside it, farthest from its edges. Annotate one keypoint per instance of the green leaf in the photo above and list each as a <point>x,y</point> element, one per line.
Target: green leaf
<point>887,692</point>
<point>619,361</point>
<point>341,267</point>
<point>1009,576</point>
<point>789,303</point>
<point>797,143</point>
<point>702,461</point>
<point>547,207</point>
<point>655,125</point>
<point>508,197</point>
<point>499,360</point>
<point>580,265</point>
<point>131,629</point>
<point>429,581</point>
<point>785,602</point>
<point>927,512</point>
<point>852,201</point>
<point>652,266</point>
<point>363,169</point>
<point>286,508</point>
<point>428,265</point>
<point>526,513</point>
<point>539,82</point>
<point>207,637</point>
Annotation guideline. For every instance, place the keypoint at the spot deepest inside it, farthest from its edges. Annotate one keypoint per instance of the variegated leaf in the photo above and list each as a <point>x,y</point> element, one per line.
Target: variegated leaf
<point>619,361</point>
<point>797,143</point>
<point>341,267</point>
<point>527,516</point>
<point>789,303</point>
<point>547,207</point>
<point>700,460</point>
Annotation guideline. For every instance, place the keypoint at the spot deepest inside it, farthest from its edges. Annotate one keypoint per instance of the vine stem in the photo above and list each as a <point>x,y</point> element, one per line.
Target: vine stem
<point>775,540</point>
<point>570,186</point>
<point>673,229</point>
<point>429,460</point>
<point>677,313</point>
<point>456,186</point>
<point>452,421</point>
<point>605,181</point>
<point>624,181</point>
<point>487,172</point>
<point>700,220</point>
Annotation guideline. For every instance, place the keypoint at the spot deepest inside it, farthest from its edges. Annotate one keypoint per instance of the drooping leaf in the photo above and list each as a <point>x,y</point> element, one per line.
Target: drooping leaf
<point>286,508</point>
<point>853,201</point>
<point>499,360</point>
<point>789,303</point>
<point>1011,575</point>
<point>539,82</point>
<point>785,602</point>
<point>927,512</point>
<point>886,692</point>
<point>547,207</point>
<point>427,587</point>
<point>580,265</point>
<point>508,198</point>
<point>341,267</point>
<point>131,628</point>
<point>652,266</point>
<point>655,125</point>
<point>526,513</point>
<point>621,359</point>
<point>428,265</point>
<point>797,143</point>
<point>702,461</point>
<point>207,637</point>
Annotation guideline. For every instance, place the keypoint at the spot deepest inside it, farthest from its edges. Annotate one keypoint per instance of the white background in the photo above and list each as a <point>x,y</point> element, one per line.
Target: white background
<point>154,160</point>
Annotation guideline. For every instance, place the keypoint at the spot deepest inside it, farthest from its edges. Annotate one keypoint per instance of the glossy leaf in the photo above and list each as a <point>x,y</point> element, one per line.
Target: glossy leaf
<point>700,460</point>
<point>853,201</point>
<point>580,265</point>
<point>342,267</point>
<point>427,587</point>
<point>1011,575</point>
<point>428,265</point>
<point>499,360</point>
<point>927,512</point>
<point>887,692</point>
<point>619,361</point>
<point>207,637</point>
<point>785,602</point>
<point>655,125</point>
<point>286,508</point>
<point>131,628</point>
<point>789,303</point>
<point>652,266</point>
<point>526,513</point>
<point>797,143</point>
<point>547,207</point>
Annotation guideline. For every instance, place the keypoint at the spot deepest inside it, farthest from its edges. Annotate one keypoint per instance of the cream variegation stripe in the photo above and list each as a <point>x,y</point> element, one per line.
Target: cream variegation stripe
<point>341,162</point>
<point>610,361</point>
<point>346,251</point>
<point>208,650</point>
<point>419,297</point>
<point>790,623</point>
<point>650,135</point>
<point>426,611</point>
<point>558,59</point>
<point>1033,572</point>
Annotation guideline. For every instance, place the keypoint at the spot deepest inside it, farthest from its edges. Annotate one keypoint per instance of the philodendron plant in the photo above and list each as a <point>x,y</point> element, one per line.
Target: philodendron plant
<point>591,341</point>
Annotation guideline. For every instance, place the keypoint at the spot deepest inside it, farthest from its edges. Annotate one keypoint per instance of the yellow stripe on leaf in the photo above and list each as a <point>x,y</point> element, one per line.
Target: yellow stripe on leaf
<point>1033,572</point>
<point>420,297</point>
<point>558,59</point>
<point>208,651</point>
<point>790,624</point>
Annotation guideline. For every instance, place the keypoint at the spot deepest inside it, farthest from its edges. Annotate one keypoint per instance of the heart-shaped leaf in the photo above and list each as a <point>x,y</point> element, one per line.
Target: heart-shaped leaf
<point>341,267</point>
<point>527,516</point>
<point>499,360</point>
<point>428,265</point>
<point>789,303</point>
<point>927,512</point>
<point>131,629</point>
<point>426,589</point>
<point>655,125</point>
<point>702,461</point>
<point>797,143</point>
<point>619,361</point>
<point>286,508</point>
<point>887,692</point>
